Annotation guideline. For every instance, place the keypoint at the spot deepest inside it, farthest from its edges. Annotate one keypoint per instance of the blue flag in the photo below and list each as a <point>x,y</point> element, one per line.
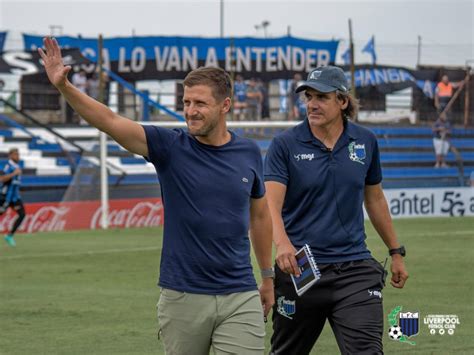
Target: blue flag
<point>370,48</point>
<point>346,56</point>
<point>3,36</point>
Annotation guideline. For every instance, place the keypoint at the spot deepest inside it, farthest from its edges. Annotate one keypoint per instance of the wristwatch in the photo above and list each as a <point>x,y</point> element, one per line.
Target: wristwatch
<point>267,273</point>
<point>400,251</point>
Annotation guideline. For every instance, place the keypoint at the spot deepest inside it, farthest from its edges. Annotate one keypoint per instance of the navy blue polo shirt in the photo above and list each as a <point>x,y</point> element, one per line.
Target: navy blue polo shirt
<point>206,193</point>
<point>325,189</point>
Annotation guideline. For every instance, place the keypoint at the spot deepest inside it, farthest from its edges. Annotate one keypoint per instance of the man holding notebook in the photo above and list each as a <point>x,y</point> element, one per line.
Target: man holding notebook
<point>318,175</point>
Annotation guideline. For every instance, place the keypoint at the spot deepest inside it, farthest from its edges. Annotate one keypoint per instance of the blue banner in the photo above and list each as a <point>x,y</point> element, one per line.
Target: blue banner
<point>173,57</point>
<point>3,36</point>
<point>388,79</point>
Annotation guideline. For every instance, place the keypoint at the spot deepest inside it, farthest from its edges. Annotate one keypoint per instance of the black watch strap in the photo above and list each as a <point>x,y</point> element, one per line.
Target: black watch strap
<point>400,251</point>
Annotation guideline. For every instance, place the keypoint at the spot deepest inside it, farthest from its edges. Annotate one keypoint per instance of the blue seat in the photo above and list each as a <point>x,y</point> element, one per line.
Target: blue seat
<point>429,172</point>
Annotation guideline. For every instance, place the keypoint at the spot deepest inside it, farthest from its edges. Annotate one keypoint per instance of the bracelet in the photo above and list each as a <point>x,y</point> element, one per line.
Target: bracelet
<point>267,273</point>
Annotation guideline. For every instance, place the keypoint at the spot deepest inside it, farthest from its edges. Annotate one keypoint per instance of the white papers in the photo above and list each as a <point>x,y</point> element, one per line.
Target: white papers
<point>309,272</point>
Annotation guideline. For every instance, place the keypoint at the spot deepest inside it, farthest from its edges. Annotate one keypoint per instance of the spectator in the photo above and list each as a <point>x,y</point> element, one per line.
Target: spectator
<point>2,85</point>
<point>93,86</point>
<point>10,192</point>
<point>106,83</point>
<point>79,80</point>
<point>265,106</point>
<point>254,101</point>
<point>444,93</point>
<point>441,130</point>
<point>299,108</point>
<point>240,97</point>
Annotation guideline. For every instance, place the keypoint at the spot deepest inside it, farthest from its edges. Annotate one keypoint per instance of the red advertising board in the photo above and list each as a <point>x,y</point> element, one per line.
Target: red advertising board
<point>61,216</point>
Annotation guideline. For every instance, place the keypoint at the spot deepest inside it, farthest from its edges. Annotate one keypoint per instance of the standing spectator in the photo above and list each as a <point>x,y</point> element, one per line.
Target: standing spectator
<point>444,93</point>
<point>106,83</point>
<point>213,193</point>
<point>10,192</point>
<point>2,85</point>
<point>299,107</point>
<point>93,86</point>
<point>441,131</point>
<point>240,97</point>
<point>79,80</point>
<point>295,98</point>
<point>265,106</point>
<point>319,175</point>
<point>254,101</point>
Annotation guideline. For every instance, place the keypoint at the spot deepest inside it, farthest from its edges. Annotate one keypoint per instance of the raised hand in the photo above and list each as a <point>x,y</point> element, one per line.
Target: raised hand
<point>53,62</point>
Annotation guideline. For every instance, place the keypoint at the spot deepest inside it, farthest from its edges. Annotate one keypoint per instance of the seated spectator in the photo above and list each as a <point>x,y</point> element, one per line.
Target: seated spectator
<point>441,130</point>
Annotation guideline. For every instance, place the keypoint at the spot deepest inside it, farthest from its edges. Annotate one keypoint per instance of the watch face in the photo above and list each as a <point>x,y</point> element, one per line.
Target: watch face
<point>400,251</point>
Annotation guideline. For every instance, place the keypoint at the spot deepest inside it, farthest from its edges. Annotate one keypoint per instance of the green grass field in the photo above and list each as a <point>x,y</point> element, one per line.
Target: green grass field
<point>94,292</point>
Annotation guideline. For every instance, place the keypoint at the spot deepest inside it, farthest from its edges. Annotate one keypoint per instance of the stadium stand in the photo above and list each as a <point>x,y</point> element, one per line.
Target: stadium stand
<point>406,153</point>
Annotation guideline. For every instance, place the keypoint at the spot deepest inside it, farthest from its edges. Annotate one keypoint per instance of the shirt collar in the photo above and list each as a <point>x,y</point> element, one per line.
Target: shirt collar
<point>12,163</point>
<point>303,132</point>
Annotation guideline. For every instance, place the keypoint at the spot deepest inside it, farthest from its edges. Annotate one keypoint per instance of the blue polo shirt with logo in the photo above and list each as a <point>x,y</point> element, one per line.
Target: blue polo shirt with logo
<point>206,193</point>
<point>323,205</point>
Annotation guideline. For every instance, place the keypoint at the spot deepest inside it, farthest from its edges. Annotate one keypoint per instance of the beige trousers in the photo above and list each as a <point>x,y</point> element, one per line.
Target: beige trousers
<point>193,324</point>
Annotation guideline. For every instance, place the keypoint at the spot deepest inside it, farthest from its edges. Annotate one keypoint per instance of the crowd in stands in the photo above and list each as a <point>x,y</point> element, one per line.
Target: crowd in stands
<point>251,99</point>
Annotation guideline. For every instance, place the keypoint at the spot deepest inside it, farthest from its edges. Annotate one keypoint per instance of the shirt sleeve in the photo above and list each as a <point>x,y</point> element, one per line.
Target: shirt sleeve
<point>159,141</point>
<point>374,174</point>
<point>258,188</point>
<point>276,163</point>
<point>7,169</point>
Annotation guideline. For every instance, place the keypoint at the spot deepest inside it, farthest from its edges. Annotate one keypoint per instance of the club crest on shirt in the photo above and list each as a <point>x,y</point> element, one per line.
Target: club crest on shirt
<point>357,152</point>
<point>286,307</point>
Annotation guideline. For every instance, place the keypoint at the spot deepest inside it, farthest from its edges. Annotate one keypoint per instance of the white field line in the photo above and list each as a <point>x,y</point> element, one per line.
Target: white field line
<point>91,252</point>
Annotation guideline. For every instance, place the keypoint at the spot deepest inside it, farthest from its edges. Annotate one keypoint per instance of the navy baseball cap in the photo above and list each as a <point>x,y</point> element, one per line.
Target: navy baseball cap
<point>325,79</point>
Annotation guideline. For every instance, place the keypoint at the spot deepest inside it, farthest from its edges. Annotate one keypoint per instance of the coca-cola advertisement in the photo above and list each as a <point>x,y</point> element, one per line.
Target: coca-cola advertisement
<point>49,217</point>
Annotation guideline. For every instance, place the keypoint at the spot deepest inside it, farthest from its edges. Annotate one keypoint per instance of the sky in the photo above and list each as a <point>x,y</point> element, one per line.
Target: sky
<point>446,27</point>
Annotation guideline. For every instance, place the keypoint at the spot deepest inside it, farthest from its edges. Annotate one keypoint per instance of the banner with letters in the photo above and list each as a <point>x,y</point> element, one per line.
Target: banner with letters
<point>53,217</point>
<point>162,58</point>
<point>434,202</point>
<point>29,62</point>
<point>388,79</point>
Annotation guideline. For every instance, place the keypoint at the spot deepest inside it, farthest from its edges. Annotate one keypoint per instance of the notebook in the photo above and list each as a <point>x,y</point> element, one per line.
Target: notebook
<point>309,272</point>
